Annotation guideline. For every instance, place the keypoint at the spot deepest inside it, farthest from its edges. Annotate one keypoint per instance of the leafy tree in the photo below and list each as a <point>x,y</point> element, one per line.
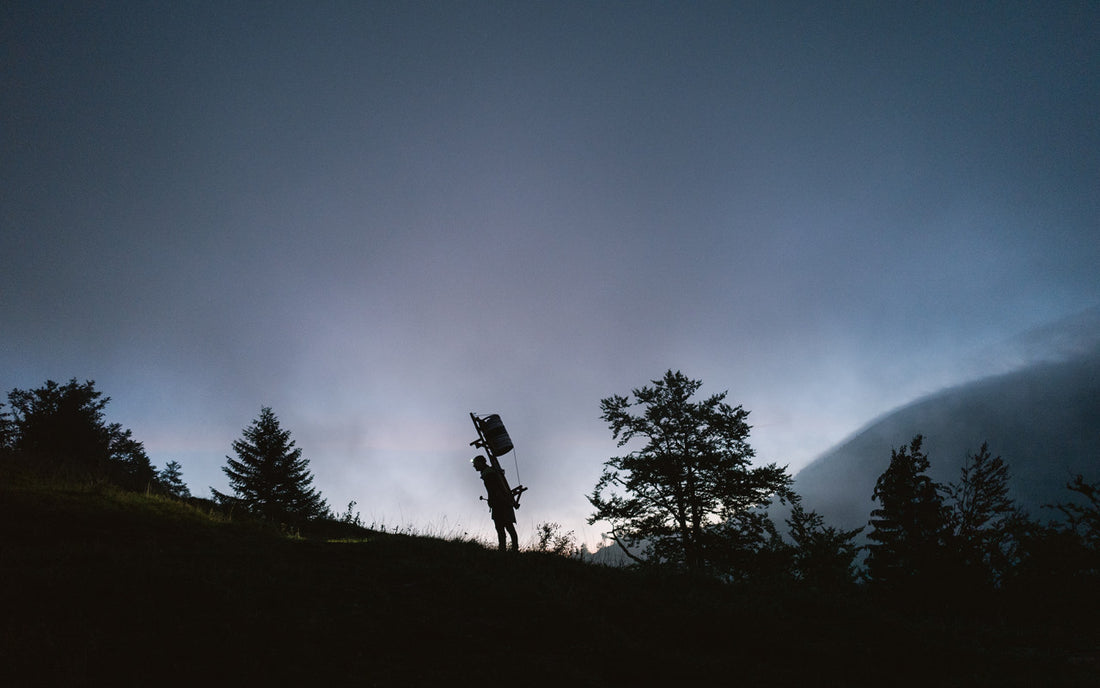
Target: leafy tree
<point>822,556</point>
<point>269,477</point>
<point>689,496</point>
<point>1084,519</point>
<point>171,479</point>
<point>61,428</point>
<point>748,544</point>
<point>1059,561</point>
<point>985,520</point>
<point>910,524</point>
<point>1081,533</point>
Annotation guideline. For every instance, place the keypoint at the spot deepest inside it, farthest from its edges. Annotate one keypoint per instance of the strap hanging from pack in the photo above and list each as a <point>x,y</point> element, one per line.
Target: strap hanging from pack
<point>493,437</point>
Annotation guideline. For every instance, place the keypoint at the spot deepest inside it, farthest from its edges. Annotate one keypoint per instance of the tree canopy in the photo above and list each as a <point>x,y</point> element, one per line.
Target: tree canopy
<point>269,477</point>
<point>690,494</point>
<point>171,480</point>
<point>822,556</point>
<point>908,527</point>
<point>62,429</point>
<point>984,518</point>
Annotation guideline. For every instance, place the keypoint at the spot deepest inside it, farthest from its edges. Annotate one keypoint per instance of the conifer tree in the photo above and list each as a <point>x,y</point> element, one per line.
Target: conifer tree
<point>128,465</point>
<point>62,429</point>
<point>269,477</point>
<point>910,524</point>
<point>171,479</point>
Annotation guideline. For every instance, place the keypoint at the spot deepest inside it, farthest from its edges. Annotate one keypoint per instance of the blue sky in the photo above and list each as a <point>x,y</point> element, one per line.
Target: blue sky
<point>378,217</point>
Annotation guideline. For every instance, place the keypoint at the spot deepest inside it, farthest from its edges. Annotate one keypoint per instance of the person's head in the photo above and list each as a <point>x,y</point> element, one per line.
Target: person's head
<point>480,463</point>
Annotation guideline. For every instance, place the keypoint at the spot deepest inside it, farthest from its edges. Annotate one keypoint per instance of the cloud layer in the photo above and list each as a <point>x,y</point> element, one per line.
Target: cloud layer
<point>377,219</point>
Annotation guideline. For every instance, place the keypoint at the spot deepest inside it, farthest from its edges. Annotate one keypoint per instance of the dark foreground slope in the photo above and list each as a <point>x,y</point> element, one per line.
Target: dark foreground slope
<point>103,588</point>
<point>1044,420</point>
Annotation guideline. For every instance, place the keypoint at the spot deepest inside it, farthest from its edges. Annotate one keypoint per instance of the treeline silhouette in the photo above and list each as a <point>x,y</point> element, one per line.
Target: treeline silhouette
<point>959,587</point>
<point>688,497</point>
<point>925,539</point>
<point>60,431</point>
<point>933,540</point>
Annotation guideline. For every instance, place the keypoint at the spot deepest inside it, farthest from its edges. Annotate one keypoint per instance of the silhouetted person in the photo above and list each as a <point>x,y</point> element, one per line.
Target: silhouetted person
<point>502,504</point>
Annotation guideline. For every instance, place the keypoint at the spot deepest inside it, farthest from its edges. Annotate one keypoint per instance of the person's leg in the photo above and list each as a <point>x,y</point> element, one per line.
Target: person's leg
<point>500,533</point>
<point>515,538</point>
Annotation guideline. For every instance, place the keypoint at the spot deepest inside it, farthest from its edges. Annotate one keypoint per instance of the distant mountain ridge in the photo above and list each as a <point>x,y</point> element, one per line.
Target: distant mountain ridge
<point>1043,419</point>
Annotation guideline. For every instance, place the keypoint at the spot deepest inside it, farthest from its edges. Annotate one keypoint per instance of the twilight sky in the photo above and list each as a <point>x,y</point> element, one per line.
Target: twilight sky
<point>378,217</point>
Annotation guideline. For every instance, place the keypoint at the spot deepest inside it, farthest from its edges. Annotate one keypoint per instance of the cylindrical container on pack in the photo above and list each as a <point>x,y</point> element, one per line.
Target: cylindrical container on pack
<point>495,435</point>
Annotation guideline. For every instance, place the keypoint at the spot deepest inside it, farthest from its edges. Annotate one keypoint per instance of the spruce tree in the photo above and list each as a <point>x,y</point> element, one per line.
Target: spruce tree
<point>910,524</point>
<point>128,465</point>
<point>171,479</point>
<point>269,477</point>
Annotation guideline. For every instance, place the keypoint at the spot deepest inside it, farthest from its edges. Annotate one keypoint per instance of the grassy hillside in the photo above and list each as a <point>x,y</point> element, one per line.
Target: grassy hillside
<point>108,588</point>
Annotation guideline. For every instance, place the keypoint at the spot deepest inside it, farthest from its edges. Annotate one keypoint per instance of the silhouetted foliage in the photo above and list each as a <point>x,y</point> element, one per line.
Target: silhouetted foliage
<point>910,524</point>
<point>61,426</point>
<point>171,480</point>
<point>103,590</point>
<point>1050,557</point>
<point>689,496</point>
<point>822,556</point>
<point>7,432</point>
<point>128,465</point>
<point>61,429</point>
<point>551,538</point>
<point>1059,561</point>
<point>1084,519</point>
<point>350,518</point>
<point>269,477</point>
<point>977,539</point>
<point>984,519</point>
<point>1070,551</point>
<point>747,545</point>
